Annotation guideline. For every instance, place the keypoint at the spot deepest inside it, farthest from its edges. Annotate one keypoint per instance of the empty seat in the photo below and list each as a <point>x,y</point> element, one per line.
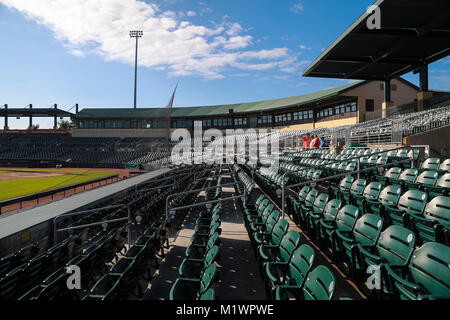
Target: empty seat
<point>413,201</point>
<point>319,285</point>
<point>433,224</point>
<point>426,276</point>
<point>292,273</point>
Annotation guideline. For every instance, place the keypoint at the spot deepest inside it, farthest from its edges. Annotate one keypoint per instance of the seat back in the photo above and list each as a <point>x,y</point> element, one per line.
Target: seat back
<point>368,229</point>
<point>445,166</point>
<point>431,164</point>
<point>438,209</point>
<point>409,175</point>
<point>303,193</point>
<point>331,210</point>
<point>402,154</point>
<point>300,264</point>
<point>346,184</point>
<point>272,220</point>
<point>429,268</point>
<point>413,201</point>
<point>263,205</point>
<point>351,166</point>
<point>279,230</point>
<point>358,187</point>
<point>266,213</point>
<point>311,197</point>
<point>428,178</point>
<point>259,200</point>
<point>393,173</point>
<point>444,181</point>
<point>211,256</point>
<point>207,277</point>
<point>390,195</point>
<point>288,244</point>
<point>373,190</point>
<point>320,203</point>
<point>396,245</point>
<point>346,218</point>
<point>319,284</point>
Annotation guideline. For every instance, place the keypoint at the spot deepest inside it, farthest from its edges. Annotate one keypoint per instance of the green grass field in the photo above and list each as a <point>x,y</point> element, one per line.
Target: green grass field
<point>16,187</point>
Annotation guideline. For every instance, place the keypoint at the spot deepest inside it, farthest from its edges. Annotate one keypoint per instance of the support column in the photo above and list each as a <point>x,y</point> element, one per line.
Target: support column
<point>424,92</point>
<point>387,98</point>
<point>31,117</point>
<point>6,118</point>
<point>55,121</point>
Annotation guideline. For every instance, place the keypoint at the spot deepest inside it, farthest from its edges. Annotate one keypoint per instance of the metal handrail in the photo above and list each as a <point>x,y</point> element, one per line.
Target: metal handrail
<point>171,196</point>
<point>55,230</point>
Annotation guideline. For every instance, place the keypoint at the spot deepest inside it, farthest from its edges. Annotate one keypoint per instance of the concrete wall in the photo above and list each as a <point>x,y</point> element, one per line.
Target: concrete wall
<point>436,139</point>
<point>403,94</point>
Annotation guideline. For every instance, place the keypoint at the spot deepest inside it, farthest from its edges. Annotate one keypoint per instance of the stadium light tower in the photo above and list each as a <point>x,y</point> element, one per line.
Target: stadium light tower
<point>136,34</point>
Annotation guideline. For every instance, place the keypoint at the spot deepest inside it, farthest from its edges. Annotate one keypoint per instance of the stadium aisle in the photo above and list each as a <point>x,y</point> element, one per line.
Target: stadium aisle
<point>238,274</point>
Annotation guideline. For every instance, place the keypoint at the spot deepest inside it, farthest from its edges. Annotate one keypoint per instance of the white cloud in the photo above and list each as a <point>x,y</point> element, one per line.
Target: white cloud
<point>297,7</point>
<point>169,43</point>
<point>191,13</point>
<point>303,47</point>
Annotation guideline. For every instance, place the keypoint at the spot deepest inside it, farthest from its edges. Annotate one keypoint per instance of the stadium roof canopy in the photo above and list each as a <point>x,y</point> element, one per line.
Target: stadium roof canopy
<point>413,34</point>
<point>42,112</point>
<point>241,108</point>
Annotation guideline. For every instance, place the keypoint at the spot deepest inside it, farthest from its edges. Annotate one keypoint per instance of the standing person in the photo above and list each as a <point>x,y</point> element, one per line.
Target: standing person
<point>306,141</point>
<point>315,143</point>
<point>323,143</point>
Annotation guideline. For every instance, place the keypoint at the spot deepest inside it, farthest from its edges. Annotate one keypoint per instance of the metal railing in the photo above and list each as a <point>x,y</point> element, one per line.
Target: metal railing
<point>203,203</point>
<point>119,206</point>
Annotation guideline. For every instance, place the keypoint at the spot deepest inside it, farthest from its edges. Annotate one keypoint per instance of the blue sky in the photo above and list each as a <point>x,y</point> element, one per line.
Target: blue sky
<point>220,51</point>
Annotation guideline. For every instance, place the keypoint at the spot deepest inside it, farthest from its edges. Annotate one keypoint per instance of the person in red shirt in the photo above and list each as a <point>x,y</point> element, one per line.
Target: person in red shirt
<point>306,141</point>
<point>315,143</point>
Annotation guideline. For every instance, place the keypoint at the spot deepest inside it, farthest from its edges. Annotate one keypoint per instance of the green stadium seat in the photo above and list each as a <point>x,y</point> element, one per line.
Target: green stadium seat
<point>343,225</point>
<point>208,295</point>
<point>344,187</point>
<point>407,178</point>
<point>395,246</point>
<point>198,251</point>
<point>389,176</point>
<point>427,274</point>
<point>126,269</point>
<point>389,196</point>
<point>105,288</point>
<point>356,192</point>
<point>431,164</point>
<point>274,236</point>
<point>313,216</point>
<point>192,289</point>
<point>326,223</point>
<point>266,222</point>
<point>292,273</point>
<point>412,202</point>
<point>430,226</point>
<point>281,252</point>
<point>426,179</point>
<point>192,268</point>
<point>366,232</point>
<point>441,188</point>
<point>371,193</point>
<point>306,206</point>
<point>319,285</point>
<point>445,166</point>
